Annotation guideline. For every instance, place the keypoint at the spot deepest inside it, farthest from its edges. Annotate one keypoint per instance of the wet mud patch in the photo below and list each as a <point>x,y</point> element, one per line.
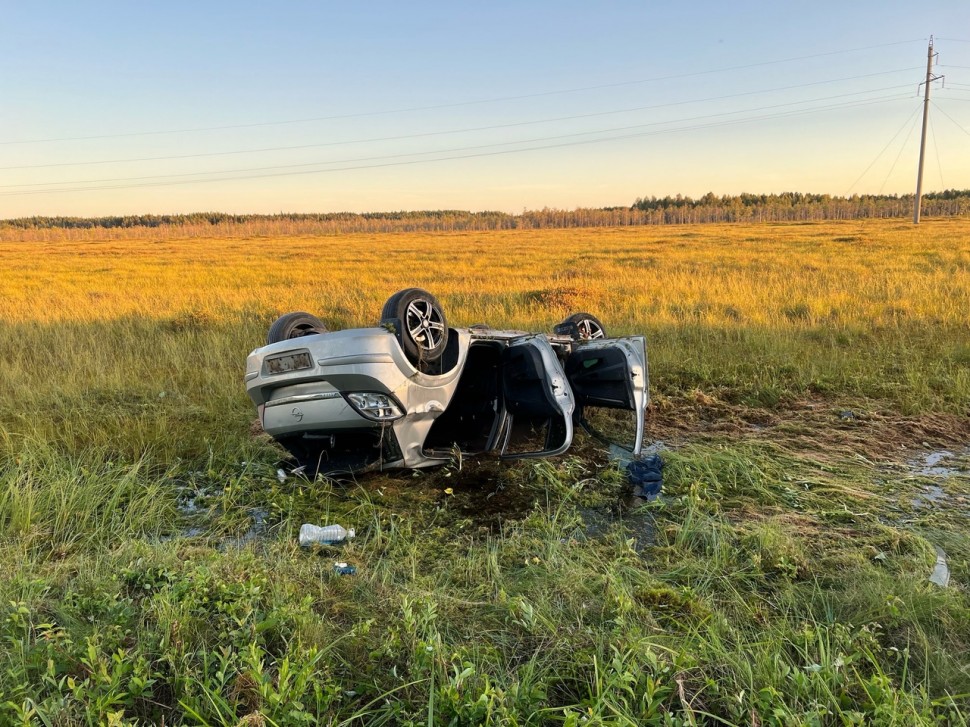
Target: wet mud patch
<point>932,496</point>
<point>477,494</point>
<point>485,495</point>
<point>636,522</point>
<point>818,428</point>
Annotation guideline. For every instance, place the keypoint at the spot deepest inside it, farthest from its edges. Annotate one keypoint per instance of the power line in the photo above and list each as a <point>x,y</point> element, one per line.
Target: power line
<point>449,158</point>
<point>466,148</point>
<point>902,146</point>
<point>956,123</point>
<point>883,151</point>
<point>459,103</point>
<point>936,148</point>
<point>477,128</point>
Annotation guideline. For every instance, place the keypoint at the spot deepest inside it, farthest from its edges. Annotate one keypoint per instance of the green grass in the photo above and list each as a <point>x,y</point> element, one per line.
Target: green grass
<point>763,584</point>
<point>149,571</point>
<point>137,385</point>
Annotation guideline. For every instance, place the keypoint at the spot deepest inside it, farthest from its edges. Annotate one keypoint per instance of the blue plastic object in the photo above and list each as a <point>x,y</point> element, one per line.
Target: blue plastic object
<point>646,476</point>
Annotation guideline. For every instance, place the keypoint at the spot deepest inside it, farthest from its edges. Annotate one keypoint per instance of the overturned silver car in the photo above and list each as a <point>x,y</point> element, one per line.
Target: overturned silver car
<point>413,392</point>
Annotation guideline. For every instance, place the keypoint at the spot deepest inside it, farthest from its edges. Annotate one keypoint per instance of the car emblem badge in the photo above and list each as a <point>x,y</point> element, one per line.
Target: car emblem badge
<point>297,413</point>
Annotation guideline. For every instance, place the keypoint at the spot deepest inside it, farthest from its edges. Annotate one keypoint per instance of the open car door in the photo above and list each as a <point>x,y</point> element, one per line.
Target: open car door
<point>537,401</point>
<point>611,374</point>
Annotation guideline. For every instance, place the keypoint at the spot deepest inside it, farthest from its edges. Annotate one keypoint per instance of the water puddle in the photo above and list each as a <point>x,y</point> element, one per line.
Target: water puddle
<point>195,516</point>
<point>931,496</point>
<point>950,468</point>
<point>257,530</point>
<point>189,502</point>
<point>940,463</point>
<point>655,447</point>
<point>190,505</point>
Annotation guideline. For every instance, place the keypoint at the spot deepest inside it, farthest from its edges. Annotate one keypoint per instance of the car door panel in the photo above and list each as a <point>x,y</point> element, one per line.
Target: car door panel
<point>611,374</point>
<point>535,392</point>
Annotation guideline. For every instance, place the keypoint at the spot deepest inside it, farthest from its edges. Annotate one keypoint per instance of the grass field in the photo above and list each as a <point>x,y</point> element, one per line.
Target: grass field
<point>811,385</point>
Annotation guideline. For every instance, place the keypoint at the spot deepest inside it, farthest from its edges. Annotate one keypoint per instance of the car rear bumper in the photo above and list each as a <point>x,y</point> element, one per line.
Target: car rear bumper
<point>322,410</point>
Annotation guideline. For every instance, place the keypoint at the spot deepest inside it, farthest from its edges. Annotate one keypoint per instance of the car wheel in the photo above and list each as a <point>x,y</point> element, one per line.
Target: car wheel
<point>582,327</point>
<point>419,322</point>
<point>294,325</point>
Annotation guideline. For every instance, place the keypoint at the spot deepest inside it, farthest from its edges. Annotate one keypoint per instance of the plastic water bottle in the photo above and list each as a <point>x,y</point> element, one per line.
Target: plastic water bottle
<point>327,535</point>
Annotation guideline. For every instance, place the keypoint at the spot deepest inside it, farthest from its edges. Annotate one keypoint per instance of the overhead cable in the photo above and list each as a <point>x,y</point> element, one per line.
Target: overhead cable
<point>457,103</point>
<point>448,158</point>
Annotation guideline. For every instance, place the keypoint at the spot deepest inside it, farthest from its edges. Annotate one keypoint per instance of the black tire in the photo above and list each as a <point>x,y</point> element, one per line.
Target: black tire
<point>419,322</point>
<point>294,325</point>
<point>582,327</point>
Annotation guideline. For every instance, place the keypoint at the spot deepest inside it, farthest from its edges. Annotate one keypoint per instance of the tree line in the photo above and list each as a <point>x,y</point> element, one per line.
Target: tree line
<point>799,206</point>
<point>710,208</point>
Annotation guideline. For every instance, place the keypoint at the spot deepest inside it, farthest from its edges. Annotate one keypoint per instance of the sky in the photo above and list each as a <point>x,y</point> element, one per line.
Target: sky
<point>244,107</point>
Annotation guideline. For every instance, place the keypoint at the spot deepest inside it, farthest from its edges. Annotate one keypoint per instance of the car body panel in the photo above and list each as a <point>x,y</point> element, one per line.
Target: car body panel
<point>300,388</point>
<point>622,382</point>
<point>547,395</point>
<point>292,414</point>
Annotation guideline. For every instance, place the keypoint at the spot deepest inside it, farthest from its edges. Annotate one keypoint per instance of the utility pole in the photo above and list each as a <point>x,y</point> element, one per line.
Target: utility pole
<point>930,55</point>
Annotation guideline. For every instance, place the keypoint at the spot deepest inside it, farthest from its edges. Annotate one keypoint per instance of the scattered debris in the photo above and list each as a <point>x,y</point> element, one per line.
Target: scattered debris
<point>646,477</point>
<point>344,569</point>
<point>281,475</point>
<point>325,535</point>
<point>643,472</point>
<point>847,415</point>
<point>941,572</point>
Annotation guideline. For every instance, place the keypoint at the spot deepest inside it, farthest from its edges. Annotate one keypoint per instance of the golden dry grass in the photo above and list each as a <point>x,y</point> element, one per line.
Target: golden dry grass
<point>854,274</point>
<point>141,343</point>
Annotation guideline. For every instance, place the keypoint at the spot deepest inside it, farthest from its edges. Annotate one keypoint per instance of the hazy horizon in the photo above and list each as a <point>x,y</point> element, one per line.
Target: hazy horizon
<point>298,212</point>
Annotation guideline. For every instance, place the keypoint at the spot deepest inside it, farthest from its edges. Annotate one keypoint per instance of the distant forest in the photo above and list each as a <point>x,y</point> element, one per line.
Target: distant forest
<point>785,207</point>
